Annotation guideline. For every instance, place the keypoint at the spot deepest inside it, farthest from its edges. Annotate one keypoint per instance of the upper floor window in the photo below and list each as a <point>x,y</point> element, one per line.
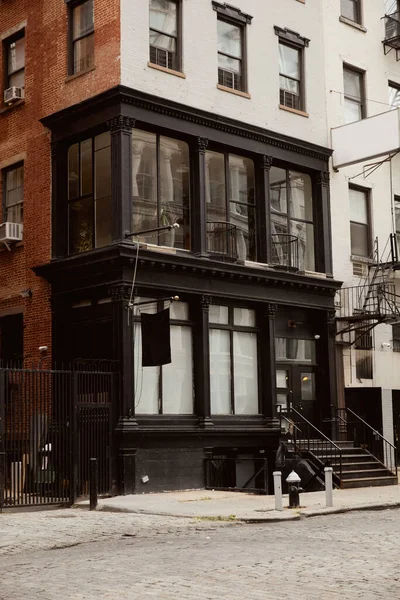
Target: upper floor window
<point>351,9</point>
<point>391,7</point>
<point>15,61</point>
<point>394,95</point>
<point>81,36</point>
<point>354,102</point>
<point>164,34</point>
<point>397,221</point>
<point>292,220</point>
<point>13,194</point>
<point>230,206</point>
<point>360,233</point>
<point>89,193</point>
<point>291,68</point>
<point>161,184</point>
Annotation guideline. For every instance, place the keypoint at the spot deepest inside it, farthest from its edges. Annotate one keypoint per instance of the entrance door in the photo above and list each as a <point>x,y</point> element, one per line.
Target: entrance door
<point>296,385</point>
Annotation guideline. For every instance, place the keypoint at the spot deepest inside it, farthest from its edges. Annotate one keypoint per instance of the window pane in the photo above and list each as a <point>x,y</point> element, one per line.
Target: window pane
<point>163,16</point>
<point>174,192</point>
<point>289,61</point>
<point>358,206</point>
<point>244,317</point>
<point>14,186</point>
<point>82,18</point>
<point>103,172</point>
<point>16,55</point>
<point>84,53</point>
<point>352,111</point>
<point>179,311</point>
<point>282,378</point>
<point>103,189</point>
<point>397,215</point>
<point>103,221</point>
<point>307,382</point>
<point>162,41</point>
<point>73,171</point>
<point>281,400</point>
<point>278,193</point>
<point>144,176</point>
<point>218,314</point>
<point>229,64</point>
<point>394,96</point>
<point>359,239</point>
<point>242,217</point>
<point>86,167</point>
<point>245,370</point>
<point>391,6</point>
<point>229,39</point>
<point>290,85</point>
<point>215,187</point>
<point>349,9</point>
<point>305,244</point>
<point>146,379</point>
<point>81,225</point>
<point>296,350</point>
<point>352,85</point>
<point>17,80</point>
<point>241,177</point>
<point>220,372</point>
<point>177,377</point>
<point>301,196</point>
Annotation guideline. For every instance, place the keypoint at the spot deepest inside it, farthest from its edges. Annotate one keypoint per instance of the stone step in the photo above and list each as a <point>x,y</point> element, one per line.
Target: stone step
<point>369,482</point>
<point>356,466</point>
<point>367,474</point>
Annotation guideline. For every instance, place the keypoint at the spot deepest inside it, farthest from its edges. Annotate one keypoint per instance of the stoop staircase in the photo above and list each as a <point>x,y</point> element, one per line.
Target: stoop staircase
<point>368,459</point>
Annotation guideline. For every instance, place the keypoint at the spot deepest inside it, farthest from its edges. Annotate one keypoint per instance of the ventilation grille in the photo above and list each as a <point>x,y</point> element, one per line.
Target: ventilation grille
<point>359,269</point>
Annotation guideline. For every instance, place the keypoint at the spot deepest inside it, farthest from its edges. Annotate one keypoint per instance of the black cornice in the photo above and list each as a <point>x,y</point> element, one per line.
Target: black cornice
<point>121,95</point>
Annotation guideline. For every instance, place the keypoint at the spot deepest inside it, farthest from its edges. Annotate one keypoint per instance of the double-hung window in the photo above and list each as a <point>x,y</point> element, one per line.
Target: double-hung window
<point>167,389</point>
<point>233,361</point>
<point>396,338</point>
<point>351,9</point>
<point>292,220</point>
<point>291,68</point>
<point>354,102</point>
<point>13,190</point>
<point>231,46</point>
<point>360,234</point>
<point>15,60</point>
<point>81,36</point>
<point>164,34</point>
<point>394,95</point>
<point>230,206</point>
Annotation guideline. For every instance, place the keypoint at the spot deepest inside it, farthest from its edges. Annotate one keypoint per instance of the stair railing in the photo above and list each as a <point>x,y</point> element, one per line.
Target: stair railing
<point>365,436</point>
<point>308,438</point>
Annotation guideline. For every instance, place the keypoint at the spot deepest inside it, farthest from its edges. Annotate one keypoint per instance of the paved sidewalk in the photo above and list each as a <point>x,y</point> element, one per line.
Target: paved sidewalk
<point>230,506</point>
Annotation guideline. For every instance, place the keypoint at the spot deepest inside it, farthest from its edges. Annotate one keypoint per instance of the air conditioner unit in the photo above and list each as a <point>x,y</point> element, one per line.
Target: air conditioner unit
<point>13,94</point>
<point>10,232</point>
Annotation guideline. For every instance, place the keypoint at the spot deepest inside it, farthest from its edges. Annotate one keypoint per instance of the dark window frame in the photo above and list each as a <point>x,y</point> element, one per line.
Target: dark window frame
<point>6,49</point>
<point>396,338</point>
<point>231,327</point>
<point>359,72</point>
<point>178,39</point>
<point>72,5</point>
<point>4,206</point>
<point>367,193</point>
<point>358,7</point>
<point>395,86</point>
<point>294,40</point>
<point>234,16</point>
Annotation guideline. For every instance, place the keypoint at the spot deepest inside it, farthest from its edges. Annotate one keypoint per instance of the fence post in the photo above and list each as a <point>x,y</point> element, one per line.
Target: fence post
<point>93,483</point>
<point>278,490</point>
<point>74,438</point>
<point>328,486</point>
<point>2,478</point>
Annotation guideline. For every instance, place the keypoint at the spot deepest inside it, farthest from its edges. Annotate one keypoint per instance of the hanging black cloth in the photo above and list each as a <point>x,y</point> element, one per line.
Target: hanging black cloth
<point>156,342</point>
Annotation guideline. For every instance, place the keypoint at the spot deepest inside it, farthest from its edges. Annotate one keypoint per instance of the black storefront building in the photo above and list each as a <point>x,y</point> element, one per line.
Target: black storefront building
<point>251,263</point>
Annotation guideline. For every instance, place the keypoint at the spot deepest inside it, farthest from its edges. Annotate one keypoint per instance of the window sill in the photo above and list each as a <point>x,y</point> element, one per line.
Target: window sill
<point>301,113</point>
<point>12,106</point>
<point>232,91</point>
<point>80,74</point>
<point>361,259</point>
<point>166,70</point>
<point>353,24</point>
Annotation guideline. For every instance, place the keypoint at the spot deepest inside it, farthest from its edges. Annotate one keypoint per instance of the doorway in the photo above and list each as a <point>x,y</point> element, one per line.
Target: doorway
<point>296,385</point>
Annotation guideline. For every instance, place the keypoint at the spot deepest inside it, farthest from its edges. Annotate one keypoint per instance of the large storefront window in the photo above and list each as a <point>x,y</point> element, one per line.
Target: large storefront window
<point>230,206</point>
<point>233,361</point>
<point>166,390</point>
<point>292,227</point>
<point>160,188</point>
<point>89,193</point>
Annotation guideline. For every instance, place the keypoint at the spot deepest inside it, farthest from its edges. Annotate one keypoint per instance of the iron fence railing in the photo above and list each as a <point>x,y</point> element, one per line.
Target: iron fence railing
<point>236,473</point>
<point>285,251</point>
<point>392,26</point>
<point>222,239</point>
<point>367,301</point>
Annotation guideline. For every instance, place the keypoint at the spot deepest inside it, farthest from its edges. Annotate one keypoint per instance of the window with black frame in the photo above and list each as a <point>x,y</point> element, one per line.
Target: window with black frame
<point>290,76</point>
<point>230,206</point>
<point>360,233</point>
<point>13,198</point>
<point>233,361</point>
<point>161,188</point>
<point>81,36</point>
<point>351,9</point>
<point>89,193</point>
<point>164,34</point>
<point>292,220</point>
<point>166,390</point>
<point>396,338</point>
<point>14,52</point>
<point>230,55</point>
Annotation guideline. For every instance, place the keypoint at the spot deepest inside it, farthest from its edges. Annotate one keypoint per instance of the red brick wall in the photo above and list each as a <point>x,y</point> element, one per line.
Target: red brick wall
<point>47,90</point>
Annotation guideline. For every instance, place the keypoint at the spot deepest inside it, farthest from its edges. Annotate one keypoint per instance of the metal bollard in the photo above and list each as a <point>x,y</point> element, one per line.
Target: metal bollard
<point>278,490</point>
<point>2,478</point>
<point>93,483</point>
<point>328,486</point>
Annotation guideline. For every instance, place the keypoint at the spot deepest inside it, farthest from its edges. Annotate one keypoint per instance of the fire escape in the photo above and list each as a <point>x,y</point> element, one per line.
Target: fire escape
<point>359,309</point>
<point>392,34</point>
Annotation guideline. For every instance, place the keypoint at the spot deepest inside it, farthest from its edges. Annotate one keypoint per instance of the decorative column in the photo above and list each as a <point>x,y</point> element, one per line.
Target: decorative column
<point>59,195</point>
<point>268,362</point>
<point>121,175</point>
<point>323,224</point>
<point>199,220</point>
<point>202,362</point>
<point>264,213</point>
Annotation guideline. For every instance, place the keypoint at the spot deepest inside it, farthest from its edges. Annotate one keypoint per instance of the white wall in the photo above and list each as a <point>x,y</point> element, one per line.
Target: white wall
<point>199,88</point>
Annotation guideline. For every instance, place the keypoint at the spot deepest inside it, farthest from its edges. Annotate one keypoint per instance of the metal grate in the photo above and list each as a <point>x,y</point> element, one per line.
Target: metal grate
<point>290,100</point>
<point>163,58</point>
<point>230,79</point>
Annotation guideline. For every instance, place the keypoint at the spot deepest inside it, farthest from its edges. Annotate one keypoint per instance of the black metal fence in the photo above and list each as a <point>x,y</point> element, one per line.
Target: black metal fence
<point>236,473</point>
<point>51,423</point>
<point>221,239</point>
<point>285,251</point>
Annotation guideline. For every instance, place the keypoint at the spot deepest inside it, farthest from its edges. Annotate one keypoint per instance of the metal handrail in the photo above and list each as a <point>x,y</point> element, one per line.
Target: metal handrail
<point>372,429</point>
<point>291,423</point>
<point>316,429</point>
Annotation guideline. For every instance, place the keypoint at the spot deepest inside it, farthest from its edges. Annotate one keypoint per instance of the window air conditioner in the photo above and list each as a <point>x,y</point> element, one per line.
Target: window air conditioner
<point>13,94</point>
<point>10,232</point>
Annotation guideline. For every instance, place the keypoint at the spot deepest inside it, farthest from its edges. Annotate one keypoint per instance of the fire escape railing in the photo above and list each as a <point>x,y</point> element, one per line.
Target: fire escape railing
<point>222,239</point>
<point>392,33</point>
<point>285,251</point>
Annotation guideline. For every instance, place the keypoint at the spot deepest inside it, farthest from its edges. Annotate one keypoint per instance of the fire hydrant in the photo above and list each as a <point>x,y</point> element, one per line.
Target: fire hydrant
<point>294,490</point>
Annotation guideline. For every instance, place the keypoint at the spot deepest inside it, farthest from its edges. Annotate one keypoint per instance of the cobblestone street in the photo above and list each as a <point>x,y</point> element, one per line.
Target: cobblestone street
<point>76,555</point>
